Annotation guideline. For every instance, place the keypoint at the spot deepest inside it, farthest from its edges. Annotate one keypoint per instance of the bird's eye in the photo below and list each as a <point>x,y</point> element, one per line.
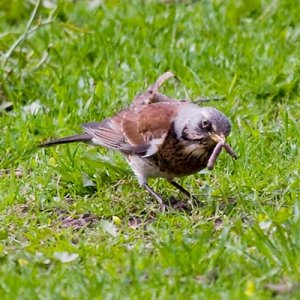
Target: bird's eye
<point>205,124</point>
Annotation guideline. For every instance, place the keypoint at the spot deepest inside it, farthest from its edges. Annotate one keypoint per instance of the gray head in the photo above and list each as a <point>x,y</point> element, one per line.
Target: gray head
<point>202,124</point>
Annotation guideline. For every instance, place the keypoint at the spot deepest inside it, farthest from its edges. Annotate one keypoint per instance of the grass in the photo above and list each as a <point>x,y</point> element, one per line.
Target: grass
<point>84,61</point>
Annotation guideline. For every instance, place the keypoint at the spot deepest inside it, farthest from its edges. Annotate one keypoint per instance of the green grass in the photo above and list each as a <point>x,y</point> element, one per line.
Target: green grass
<point>88,62</point>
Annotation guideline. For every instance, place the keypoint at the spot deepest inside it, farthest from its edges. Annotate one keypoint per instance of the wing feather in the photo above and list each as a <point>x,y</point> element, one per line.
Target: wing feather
<point>139,130</point>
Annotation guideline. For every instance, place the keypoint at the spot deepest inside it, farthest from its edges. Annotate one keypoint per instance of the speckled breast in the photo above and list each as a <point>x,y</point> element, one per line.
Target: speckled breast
<point>181,158</point>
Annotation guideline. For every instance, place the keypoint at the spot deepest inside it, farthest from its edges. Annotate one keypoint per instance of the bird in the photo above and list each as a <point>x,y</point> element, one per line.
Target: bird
<point>160,137</point>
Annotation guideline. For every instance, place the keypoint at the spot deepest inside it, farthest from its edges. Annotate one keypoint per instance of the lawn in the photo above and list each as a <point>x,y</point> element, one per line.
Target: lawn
<point>74,222</point>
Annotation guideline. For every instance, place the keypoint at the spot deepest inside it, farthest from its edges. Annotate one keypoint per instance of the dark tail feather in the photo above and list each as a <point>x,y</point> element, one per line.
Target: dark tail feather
<point>85,137</point>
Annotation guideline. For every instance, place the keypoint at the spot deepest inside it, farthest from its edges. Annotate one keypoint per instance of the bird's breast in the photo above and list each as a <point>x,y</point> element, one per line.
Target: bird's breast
<point>181,158</point>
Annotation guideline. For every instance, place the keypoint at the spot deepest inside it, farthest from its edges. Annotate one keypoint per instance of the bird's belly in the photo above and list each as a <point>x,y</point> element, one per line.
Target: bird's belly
<point>144,167</point>
<point>170,162</point>
<point>183,161</point>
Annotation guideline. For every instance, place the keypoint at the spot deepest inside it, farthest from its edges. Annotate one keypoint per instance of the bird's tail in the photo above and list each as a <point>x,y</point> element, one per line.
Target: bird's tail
<point>85,137</point>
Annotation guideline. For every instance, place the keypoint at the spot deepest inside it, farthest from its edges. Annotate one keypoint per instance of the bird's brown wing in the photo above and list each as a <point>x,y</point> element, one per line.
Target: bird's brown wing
<point>140,130</point>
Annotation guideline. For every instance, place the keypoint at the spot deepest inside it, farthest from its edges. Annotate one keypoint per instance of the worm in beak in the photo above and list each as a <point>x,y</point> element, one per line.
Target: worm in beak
<point>217,150</point>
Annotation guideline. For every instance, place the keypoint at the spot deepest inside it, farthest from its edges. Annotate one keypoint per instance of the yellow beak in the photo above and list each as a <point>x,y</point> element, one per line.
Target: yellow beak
<point>217,138</point>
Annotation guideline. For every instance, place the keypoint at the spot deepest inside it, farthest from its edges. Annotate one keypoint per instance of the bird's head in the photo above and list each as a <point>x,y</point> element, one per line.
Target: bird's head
<point>202,125</point>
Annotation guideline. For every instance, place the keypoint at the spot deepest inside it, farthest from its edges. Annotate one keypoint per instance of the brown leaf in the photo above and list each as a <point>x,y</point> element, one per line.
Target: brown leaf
<point>135,222</point>
<point>78,222</point>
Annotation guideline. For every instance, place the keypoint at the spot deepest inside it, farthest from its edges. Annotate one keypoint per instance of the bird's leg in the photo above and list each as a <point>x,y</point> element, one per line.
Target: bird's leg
<point>154,194</point>
<point>182,189</point>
